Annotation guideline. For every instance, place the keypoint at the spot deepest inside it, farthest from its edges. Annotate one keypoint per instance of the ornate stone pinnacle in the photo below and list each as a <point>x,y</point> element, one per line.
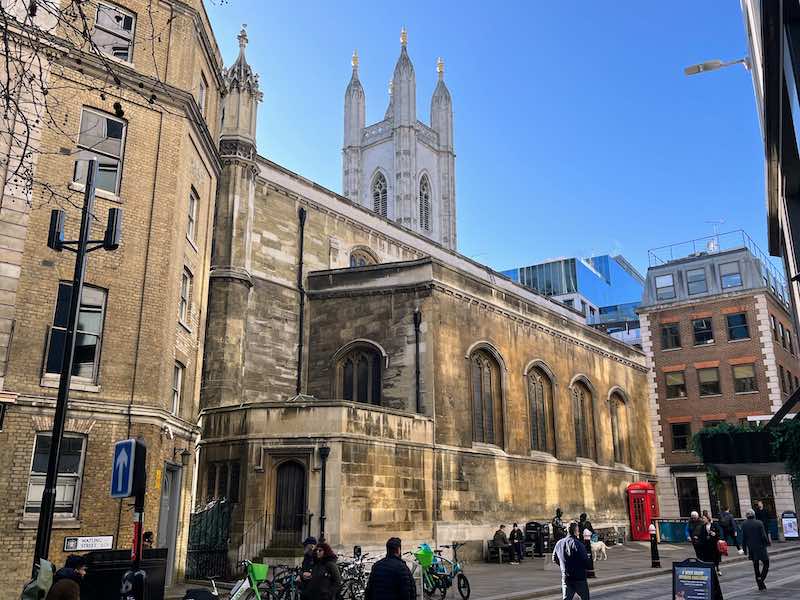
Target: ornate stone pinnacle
<point>242,37</point>
<point>403,36</point>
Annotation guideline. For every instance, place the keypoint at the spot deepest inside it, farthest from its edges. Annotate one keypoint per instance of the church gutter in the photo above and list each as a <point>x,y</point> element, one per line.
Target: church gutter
<point>301,217</point>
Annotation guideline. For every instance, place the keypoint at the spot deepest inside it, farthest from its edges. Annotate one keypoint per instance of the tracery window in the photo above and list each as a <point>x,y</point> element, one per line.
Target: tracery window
<point>425,203</point>
<point>380,192</point>
<point>359,375</point>
<point>582,412</point>
<point>619,428</point>
<point>361,258</point>
<point>540,396</point>
<point>487,409</point>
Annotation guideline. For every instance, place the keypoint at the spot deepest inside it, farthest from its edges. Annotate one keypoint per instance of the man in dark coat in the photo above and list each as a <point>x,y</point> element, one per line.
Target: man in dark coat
<point>754,543</point>
<point>762,514</point>
<point>694,530</point>
<point>570,554</point>
<point>390,578</point>
<point>67,582</point>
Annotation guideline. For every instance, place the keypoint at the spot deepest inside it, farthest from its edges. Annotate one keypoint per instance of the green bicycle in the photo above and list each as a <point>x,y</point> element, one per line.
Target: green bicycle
<point>439,573</point>
<point>247,588</point>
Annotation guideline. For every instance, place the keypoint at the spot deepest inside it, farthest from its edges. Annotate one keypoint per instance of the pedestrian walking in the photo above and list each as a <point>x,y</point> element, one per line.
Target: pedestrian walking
<point>67,581</point>
<point>309,544</point>
<point>517,541</point>
<point>325,577</point>
<point>584,523</point>
<point>694,529</point>
<point>728,526</point>
<point>754,543</point>
<point>559,531</point>
<point>762,514</point>
<point>570,554</point>
<point>710,536</point>
<point>390,578</point>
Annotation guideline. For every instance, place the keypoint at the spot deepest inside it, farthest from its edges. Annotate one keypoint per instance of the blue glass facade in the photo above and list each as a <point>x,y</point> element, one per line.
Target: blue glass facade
<point>606,281</point>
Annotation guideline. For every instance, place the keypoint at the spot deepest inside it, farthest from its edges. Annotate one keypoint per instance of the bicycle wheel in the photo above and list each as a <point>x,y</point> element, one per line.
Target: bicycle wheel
<point>463,586</point>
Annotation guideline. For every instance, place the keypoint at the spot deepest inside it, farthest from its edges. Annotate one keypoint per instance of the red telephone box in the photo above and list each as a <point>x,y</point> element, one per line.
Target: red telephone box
<point>643,506</point>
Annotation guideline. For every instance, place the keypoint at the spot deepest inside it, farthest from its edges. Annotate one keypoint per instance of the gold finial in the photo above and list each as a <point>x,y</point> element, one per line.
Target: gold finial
<point>403,36</point>
<point>440,67</point>
<point>354,60</point>
<point>242,37</point>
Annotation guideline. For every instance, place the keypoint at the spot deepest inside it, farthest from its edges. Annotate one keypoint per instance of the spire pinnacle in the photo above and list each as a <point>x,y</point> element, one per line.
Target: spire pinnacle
<point>242,37</point>
<point>403,37</point>
<point>354,60</point>
<point>440,68</point>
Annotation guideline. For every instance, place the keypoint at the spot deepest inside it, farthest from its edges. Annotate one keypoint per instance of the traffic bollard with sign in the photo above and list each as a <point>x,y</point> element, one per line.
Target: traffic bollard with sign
<point>129,478</point>
<point>654,557</point>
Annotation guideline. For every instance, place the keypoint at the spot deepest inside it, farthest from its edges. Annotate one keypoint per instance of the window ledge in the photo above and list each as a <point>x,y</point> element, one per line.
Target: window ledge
<point>704,345</point>
<point>672,349</point>
<point>541,454</point>
<point>79,187</point>
<point>493,448</point>
<point>582,460</point>
<point>747,339</point>
<point>677,397</point>
<point>746,393</point>
<point>50,381</point>
<point>711,395</point>
<point>32,522</point>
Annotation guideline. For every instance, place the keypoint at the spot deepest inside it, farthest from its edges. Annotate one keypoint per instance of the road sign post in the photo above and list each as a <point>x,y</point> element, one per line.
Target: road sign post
<point>129,478</point>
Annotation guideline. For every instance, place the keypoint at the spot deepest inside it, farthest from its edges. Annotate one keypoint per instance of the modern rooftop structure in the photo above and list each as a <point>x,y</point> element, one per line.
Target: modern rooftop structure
<point>605,289</point>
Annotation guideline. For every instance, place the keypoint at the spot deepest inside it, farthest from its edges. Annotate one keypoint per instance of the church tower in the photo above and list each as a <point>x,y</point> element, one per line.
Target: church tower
<point>401,168</point>
<point>230,278</point>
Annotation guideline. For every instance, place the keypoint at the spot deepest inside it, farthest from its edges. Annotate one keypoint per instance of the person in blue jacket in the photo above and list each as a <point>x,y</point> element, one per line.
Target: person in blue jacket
<point>570,554</point>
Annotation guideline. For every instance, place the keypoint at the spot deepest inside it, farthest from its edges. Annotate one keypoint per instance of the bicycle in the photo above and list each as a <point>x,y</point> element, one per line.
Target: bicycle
<point>354,578</point>
<point>455,570</point>
<point>244,589</point>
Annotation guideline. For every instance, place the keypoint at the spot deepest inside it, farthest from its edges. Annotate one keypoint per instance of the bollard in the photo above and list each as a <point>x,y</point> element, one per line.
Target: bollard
<point>538,544</point>
<point>656,560</point>
<point>587,540</point>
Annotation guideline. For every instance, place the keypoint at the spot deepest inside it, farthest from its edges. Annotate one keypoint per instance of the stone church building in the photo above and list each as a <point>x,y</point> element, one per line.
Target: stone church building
<point>349,343</point>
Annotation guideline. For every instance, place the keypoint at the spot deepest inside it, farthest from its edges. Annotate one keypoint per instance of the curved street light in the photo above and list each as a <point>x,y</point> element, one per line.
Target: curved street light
<point>713,65</point>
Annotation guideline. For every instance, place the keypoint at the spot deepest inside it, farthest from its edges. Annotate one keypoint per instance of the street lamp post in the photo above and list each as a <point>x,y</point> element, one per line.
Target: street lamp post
<point>55,240</point>
<point>713,65</point>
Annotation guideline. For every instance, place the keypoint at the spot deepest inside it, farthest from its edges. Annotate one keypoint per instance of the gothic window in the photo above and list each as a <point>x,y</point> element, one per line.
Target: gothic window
<point>582,405</point>
<point>487,409</point>
<point>359,375</point>
<point>425,203</point>
<point>379,194</point>
<point>361,258</point>
<point>540,396</point>
<point>619,428</point>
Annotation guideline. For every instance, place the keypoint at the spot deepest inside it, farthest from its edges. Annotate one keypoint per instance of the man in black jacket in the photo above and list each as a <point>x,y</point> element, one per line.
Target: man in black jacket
<point>390,578</point>
<point>755,542</point>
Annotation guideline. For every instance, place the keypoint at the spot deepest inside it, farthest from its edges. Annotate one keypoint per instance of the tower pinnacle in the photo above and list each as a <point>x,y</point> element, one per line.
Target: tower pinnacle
<point>403,37</point>
<point>354,60</point>
<point>242,37</point>
<point>440,68</point>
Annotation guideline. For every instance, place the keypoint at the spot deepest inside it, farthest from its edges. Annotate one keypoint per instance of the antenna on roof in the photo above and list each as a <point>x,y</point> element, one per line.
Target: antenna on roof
<point>713,244</point>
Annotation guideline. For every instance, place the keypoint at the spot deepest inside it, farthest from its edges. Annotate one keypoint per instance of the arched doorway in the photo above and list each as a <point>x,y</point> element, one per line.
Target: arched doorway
<point>290,503</point>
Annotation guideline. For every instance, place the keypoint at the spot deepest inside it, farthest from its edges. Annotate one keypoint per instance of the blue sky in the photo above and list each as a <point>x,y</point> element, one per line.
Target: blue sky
<point>576,132</point>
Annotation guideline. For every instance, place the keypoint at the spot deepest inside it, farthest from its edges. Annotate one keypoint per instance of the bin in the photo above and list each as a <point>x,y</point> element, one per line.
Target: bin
<point>105,569</point>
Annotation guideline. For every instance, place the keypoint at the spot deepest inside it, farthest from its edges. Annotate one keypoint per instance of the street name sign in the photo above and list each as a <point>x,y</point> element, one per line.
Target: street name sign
<point>85,543</point>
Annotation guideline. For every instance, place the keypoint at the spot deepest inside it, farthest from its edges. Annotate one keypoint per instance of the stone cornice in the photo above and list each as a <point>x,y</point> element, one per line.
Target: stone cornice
<point>108,411</point>
<point>231,273</point>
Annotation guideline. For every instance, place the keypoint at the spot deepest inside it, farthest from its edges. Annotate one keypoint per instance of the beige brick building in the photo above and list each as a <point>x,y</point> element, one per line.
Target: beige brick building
<point>155,131</point>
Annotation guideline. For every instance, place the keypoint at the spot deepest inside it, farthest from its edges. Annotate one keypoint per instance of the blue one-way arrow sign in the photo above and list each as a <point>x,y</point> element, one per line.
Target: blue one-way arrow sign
<point>122,469</point>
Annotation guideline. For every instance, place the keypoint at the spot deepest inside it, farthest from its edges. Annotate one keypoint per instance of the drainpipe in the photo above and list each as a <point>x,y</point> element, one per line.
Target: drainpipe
<point>324,452</point>
<point>417,323</point>
<point>301,217</point>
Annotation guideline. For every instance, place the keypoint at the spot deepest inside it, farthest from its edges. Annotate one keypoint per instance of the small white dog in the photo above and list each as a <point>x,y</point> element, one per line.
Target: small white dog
<point>598,550</point>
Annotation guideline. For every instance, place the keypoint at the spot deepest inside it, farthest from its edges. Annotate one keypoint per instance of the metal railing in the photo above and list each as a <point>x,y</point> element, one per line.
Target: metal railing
<point>772,271</point>
<point>255,538</point>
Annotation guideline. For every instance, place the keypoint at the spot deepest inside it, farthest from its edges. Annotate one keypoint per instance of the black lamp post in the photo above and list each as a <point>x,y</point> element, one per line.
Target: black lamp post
<point>324,452</point>
<point>55,241</point>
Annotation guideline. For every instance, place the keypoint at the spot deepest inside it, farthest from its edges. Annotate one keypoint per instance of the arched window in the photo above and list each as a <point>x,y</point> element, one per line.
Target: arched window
<point>359,375</point>
<point>619,427</point>
<point>582,412</point>
<point>361,258</point>
<point>540,396</point>
<point>425,203</point>
<point>380,192</point>
<point>487,404</point>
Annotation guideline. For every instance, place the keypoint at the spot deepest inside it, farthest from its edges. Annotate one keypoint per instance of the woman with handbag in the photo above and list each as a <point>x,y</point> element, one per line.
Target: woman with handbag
<point>710,538</point>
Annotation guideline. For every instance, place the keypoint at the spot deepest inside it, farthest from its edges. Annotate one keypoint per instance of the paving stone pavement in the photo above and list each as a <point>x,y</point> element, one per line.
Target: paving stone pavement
<point>490,581</point>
